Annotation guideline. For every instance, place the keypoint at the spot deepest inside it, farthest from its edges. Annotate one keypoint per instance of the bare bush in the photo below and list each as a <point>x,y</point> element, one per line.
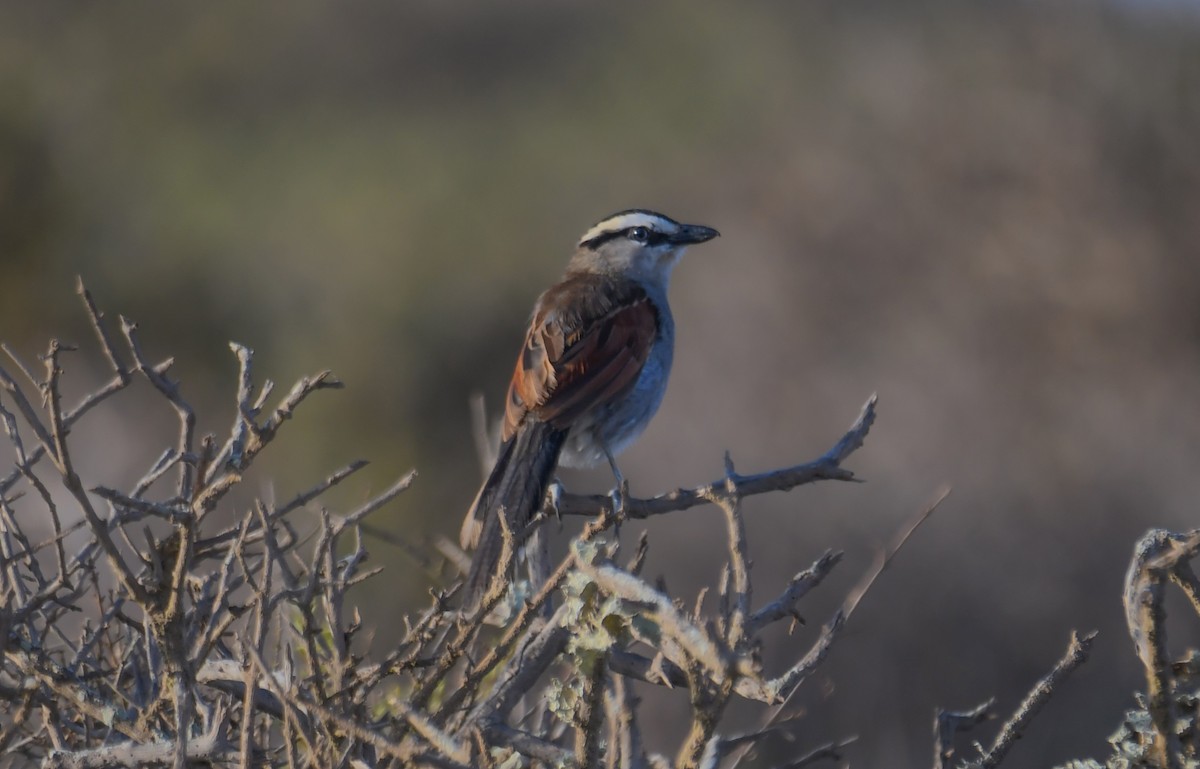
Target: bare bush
<point>223,639</point>
<point>192,630</point>
<point>227,639</point>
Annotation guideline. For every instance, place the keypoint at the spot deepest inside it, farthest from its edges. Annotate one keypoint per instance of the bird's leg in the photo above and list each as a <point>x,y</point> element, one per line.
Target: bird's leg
<point>554,494</point>
<point>621,491</point>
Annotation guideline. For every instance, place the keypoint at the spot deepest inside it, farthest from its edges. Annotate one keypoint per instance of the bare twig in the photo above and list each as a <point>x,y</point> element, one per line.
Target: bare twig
<point>884,559</point>
<point>827,467</point>
<point>211,747</point>
<point>729,501</point>
<point>947,723</point>
<point>782,688</point>
<point>157,376</point>
<point>785,605</point>
<point>1077,653</point>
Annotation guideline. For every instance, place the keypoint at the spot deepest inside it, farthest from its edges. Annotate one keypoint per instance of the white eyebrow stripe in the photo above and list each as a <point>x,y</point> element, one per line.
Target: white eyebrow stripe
<point>625,221</point>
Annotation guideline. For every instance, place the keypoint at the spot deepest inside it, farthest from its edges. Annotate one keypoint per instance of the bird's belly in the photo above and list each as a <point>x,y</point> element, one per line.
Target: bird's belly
<point>618,424</point>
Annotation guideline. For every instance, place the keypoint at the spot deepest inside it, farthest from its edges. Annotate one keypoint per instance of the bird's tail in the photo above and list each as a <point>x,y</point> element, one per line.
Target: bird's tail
<point>515,488</point>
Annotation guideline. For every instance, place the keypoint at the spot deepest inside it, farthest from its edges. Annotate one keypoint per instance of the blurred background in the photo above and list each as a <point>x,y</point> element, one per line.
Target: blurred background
<point>988,213</point>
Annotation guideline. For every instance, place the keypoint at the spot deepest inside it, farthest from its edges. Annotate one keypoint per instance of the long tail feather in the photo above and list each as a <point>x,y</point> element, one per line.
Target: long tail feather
<point>515,489</point>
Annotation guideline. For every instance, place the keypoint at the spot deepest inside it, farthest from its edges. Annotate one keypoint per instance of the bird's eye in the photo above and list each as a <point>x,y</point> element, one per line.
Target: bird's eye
<point>640,234</point>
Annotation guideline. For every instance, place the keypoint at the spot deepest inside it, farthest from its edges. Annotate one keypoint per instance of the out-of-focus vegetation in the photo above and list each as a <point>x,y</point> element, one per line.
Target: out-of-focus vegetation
<point>990,213</point>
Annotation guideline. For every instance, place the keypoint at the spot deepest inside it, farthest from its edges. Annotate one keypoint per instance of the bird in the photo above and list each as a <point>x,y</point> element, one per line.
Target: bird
<point>590,376</point>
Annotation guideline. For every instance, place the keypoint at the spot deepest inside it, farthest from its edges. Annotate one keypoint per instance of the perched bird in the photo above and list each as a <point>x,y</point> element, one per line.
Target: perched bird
<point>590,376</point>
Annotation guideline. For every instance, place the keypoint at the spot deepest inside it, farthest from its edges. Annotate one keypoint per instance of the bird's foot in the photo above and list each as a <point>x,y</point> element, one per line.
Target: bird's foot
<point>619,496</point>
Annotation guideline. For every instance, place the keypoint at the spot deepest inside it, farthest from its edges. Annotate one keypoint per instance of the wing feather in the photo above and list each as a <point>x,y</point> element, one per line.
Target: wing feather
<point>588,341</point>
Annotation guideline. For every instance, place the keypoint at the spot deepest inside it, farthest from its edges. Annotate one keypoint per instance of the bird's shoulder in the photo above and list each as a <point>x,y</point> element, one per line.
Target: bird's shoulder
<point>582,299</point>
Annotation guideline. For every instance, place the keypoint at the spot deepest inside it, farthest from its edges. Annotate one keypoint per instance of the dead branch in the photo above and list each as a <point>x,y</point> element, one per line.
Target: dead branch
<point>1160,558</point>
<point>827,467</point>
<point>947,723</point>
<point>1076,654</point>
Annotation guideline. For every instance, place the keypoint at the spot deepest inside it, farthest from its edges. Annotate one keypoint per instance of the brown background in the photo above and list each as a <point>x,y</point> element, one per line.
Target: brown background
<point>989,213</point>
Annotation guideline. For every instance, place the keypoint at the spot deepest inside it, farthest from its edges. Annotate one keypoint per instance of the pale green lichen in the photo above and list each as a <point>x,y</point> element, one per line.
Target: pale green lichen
<point>1133,741</point>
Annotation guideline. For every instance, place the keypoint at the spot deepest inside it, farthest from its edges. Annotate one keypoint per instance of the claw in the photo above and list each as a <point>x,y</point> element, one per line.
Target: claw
<point>618,499</point>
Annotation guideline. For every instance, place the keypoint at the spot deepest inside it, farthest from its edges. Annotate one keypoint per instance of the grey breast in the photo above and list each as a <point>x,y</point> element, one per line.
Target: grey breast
<point>622,421</point>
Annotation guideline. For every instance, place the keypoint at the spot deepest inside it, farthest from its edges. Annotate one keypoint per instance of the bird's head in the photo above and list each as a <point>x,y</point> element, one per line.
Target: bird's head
<point>637,243</point>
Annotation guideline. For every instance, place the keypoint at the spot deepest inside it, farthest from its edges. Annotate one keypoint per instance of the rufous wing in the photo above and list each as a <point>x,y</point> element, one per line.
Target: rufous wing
<point>588,341</point>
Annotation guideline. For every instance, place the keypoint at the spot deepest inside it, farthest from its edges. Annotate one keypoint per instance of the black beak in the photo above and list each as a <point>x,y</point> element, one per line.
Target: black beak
<point>693,233</point>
